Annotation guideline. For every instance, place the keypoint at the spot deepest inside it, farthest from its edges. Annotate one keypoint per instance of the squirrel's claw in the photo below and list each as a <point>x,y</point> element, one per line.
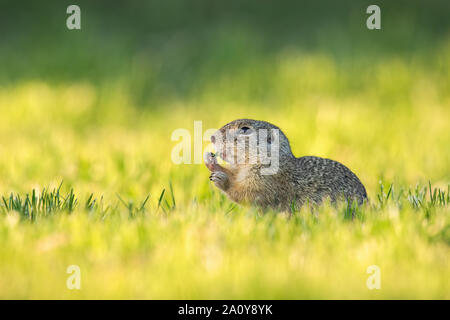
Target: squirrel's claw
<point>220,179</point>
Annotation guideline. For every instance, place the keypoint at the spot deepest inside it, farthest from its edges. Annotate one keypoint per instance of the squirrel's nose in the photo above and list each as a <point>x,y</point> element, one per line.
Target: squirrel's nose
<point>213,139</point>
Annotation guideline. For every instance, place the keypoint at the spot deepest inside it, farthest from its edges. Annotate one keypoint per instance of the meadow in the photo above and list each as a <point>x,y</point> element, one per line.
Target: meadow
<point>86,176</point>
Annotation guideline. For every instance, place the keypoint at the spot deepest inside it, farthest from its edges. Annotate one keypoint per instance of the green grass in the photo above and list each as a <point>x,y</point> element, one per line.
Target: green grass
<point>86,176</point>
<point>210,250</point>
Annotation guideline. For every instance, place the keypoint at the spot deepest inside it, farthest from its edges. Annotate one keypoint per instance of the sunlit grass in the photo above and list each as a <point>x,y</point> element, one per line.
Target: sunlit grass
<point>212,250</point>
<point>140,226</point>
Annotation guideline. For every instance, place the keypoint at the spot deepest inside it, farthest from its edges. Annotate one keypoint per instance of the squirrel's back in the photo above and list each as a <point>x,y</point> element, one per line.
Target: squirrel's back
<point>317,178</point>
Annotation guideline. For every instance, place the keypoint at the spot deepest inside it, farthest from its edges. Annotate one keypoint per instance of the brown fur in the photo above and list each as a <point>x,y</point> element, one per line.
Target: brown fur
<point>297,181</point>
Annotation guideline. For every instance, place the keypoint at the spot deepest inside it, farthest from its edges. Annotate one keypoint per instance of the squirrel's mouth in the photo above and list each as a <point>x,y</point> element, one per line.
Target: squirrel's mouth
<point>221,154</point>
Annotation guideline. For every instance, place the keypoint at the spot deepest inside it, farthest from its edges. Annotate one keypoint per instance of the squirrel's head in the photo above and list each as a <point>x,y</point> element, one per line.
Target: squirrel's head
<point>251,142</point>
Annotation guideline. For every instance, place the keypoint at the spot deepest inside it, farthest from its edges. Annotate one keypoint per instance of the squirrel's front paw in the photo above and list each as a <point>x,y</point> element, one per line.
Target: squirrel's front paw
<point>220,179</point>
<point>210,161</point>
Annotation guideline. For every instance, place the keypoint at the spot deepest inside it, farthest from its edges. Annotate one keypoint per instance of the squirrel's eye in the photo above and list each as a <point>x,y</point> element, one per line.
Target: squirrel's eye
<point>244,130</point>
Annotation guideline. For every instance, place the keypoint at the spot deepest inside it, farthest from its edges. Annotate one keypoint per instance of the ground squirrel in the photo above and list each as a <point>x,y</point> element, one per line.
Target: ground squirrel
<point>292,183</point>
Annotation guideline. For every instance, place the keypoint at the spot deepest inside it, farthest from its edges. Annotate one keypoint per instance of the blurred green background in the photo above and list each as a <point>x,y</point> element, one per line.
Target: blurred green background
<point>96,108</point>
<point>376,100</point>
